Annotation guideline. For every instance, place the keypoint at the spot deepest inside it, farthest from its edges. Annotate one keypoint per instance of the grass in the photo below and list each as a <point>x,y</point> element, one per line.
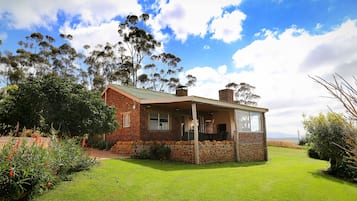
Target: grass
<point>288,175</point>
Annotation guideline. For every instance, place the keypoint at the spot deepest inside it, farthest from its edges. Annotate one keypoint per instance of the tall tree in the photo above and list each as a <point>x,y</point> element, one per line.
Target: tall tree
<point>37,56</point>
<point>161,77</point>
<point>107,64</point>
<point>139,43</point>
<point>243,93</point>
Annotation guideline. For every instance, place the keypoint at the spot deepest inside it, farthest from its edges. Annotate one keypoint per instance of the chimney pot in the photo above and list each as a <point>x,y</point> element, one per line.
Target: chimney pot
<point>181,91</point>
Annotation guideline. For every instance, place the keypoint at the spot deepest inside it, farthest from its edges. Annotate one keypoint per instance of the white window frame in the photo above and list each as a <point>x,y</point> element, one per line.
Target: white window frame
<point>126,119</point>
<point>159,126</point>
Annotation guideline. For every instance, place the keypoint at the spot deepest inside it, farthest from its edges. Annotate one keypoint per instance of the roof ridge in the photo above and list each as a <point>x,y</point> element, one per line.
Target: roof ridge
<point>143,89</point>
<point>142,93</point>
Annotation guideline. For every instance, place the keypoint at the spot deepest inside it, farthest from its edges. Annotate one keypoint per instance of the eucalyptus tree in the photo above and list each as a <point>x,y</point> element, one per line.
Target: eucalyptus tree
<point>107,64</point>
<point>161,77</point>
<point>138,42</point>
<point>66,60</point>
<point>38,56</point>
<point>243,93</point>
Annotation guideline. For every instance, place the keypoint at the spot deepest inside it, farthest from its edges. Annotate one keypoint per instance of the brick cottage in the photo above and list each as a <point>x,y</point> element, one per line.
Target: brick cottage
<point>198,130</point>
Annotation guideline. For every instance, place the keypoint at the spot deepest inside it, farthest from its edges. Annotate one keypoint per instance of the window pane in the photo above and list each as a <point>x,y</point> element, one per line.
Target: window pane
<point>126,120</point>
<point>164,121</point>
<point>255,119</point>
<point>154,121</point>
<point>154,116</point>
<point>243,121</point>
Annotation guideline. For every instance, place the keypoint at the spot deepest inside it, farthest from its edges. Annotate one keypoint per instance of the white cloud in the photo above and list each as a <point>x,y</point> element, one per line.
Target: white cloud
<point>92,35</point>
<point>228,27</point>
<point>24,14</point>
<point>187,17</point>
<point>281,64</point>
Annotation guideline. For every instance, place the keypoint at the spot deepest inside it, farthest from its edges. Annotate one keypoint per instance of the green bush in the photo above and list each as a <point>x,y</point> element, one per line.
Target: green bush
<point>303,141</point>
<point>69,157</point>
<point>160,152</point>
<point>27,169</point>
<point>97,142</point>
<point>313,154</point>
<point>143,155</point>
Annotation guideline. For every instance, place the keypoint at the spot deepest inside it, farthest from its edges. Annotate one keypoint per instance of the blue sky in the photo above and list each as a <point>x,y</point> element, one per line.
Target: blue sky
<point>272,44</point>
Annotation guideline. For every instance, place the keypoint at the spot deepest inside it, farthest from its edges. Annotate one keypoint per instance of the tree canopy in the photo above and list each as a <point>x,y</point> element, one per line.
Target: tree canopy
<point>59,103</point>
<point>243,93</point>
<point>134,60</point>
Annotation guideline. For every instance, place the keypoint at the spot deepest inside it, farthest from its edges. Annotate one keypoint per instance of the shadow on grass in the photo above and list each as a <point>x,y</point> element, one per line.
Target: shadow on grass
<point>323,174</point>
<point>174,166</point>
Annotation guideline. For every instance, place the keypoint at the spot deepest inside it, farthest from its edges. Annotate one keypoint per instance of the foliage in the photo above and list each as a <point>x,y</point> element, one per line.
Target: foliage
<point>38,56</point>
<point>160,152</point>
<point>138,43</point>
<point>346,94</point>
<point>28,168</point>
<point>313,154</point>
<point>303,141</point>
<point>326,133</point>
<point>136,52</point>
<point>244,93</point>
<point>144,154</point>
<point>289,175</point>
<point>96,141</point>
<point>54,102</point>
<point>107,64</point>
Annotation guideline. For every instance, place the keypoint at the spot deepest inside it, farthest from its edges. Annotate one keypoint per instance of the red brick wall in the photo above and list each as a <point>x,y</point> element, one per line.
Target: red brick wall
<point>252,147</point>
<point>138,129</point>
<point>124,104</point>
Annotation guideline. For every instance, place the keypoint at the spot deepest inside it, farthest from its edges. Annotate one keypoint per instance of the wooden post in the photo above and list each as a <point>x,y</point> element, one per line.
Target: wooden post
<point>195,132</point>
<point>264,137</point>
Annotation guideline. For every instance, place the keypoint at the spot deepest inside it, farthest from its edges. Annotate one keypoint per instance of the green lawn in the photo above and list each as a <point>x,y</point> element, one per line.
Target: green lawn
<point>288,175</point>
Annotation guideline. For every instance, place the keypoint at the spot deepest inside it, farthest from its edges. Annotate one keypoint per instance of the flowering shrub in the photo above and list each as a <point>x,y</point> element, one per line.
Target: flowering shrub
<point>28,168</point>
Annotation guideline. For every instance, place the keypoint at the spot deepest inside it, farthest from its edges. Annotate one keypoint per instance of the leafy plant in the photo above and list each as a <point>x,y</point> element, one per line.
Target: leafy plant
<point>54,102</point>
<point>28,168</point>
<point>144,154</point>
<point>160,152</point>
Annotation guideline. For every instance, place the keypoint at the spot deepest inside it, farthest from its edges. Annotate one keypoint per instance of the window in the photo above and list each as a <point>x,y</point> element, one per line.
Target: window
<point>126,120</point>
<point>249,121</point>
<point>159,121</point>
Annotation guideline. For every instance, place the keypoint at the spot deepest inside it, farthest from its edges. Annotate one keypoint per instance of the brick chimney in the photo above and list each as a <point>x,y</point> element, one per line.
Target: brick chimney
<point>181,91</point>
<point>226,95</point>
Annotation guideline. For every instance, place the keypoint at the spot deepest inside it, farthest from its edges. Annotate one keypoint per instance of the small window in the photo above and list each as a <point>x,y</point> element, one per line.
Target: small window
<point>159,121</point>
<point>126,120</point>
